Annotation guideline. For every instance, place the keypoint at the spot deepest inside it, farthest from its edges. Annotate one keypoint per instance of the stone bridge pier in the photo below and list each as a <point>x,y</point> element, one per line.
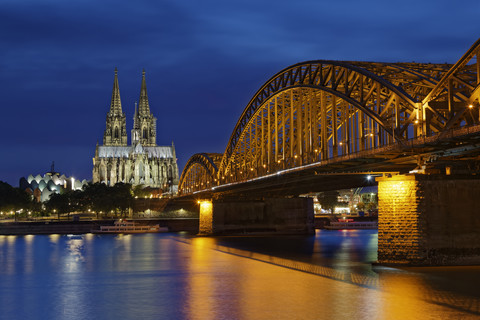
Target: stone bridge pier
<point>429,220</point>
<point>271,215</point>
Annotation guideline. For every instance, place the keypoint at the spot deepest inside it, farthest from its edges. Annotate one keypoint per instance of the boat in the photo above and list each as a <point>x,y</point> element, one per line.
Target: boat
<point>343,224</point>
<point>124,226</point>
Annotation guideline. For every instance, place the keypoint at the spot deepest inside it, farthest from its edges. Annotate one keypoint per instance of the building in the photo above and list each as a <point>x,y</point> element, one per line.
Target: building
<point>142,162</point>
<point>42,187</point>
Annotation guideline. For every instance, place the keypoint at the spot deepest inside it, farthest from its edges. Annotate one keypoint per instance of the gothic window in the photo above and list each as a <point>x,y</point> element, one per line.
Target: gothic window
<point>116,132</point>
<point>141,170</point>
<point>103,173</point>
<point>145,133</point>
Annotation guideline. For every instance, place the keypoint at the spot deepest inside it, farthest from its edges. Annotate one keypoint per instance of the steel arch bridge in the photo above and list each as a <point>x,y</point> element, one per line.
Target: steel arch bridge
<point>319,110</point>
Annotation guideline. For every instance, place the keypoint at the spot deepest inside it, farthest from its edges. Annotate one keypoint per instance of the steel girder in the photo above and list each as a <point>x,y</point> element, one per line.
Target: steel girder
<point>199,172</point>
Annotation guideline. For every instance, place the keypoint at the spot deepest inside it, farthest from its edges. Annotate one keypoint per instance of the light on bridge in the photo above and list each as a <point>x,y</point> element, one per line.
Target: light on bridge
<point>470,106</point>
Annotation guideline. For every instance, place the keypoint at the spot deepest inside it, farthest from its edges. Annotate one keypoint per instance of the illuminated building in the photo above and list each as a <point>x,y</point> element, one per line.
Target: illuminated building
<point>142,162</point>
<point>42,187</point>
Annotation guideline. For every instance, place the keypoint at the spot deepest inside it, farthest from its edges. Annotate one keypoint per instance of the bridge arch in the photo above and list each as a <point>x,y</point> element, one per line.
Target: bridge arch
<point>318,110</point>
<point>328,108</point>
<point>200,172</point>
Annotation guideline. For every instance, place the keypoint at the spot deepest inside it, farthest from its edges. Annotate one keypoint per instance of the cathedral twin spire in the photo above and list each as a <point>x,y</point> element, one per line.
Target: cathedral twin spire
<point>116,128</point>
<point>116,104</point>
<point>144,123</point>
<point>143,107</point>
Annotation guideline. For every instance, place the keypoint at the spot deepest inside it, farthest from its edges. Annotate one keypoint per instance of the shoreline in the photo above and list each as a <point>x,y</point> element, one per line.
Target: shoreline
<point>81,227</point>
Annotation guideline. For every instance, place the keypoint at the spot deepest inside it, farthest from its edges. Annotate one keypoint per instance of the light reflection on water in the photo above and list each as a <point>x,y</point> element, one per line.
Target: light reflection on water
<point>162,276</point>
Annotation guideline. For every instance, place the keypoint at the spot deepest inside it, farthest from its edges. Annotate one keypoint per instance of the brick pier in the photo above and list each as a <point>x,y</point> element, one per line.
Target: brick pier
<point>429,220</point>
<point>271,215</point>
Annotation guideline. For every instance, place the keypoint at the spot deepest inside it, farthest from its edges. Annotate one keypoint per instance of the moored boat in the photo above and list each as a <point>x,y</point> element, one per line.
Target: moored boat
<point>351,224</point>
<point>124,226</point>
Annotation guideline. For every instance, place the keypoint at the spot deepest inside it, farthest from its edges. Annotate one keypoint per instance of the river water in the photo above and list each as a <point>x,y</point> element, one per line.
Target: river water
<point>175,276</point>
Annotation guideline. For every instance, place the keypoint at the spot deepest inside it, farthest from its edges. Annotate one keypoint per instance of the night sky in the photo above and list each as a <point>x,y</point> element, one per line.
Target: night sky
<point>204,60</point>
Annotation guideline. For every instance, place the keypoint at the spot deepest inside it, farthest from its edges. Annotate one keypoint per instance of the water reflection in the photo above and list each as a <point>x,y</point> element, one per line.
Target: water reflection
<point>54,238</point>
<point>346,257</point>
<point>74,258</point>
<point>11,255</point>
<point>28,257</point>
<point>154,276</point>
<point>200,302</point>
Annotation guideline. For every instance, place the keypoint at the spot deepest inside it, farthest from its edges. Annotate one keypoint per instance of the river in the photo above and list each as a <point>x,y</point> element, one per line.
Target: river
<point>176,276</point>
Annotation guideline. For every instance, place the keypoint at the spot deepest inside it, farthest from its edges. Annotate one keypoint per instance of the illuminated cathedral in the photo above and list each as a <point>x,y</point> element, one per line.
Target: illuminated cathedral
<point>142,162</point>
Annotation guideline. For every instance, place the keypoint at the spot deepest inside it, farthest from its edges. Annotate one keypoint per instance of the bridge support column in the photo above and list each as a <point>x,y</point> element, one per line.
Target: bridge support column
<point>275,215</point>
<point>206,217</point>
<point>429,220</point>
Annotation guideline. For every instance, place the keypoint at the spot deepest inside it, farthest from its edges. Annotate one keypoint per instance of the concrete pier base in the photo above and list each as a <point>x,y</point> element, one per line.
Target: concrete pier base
<point>429,220</point>
<point>274,215</point>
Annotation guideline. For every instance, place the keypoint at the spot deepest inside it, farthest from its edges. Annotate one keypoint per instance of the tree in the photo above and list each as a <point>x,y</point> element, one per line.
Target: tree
<point>96,197</point>
<point>140,191</point>
<point>361,206</point>
<point>101,198</point>
<point>371,205</point>
<point>13,199</point>
<point>123,197</point>
<point>328,200</point>
<point>58,203</point>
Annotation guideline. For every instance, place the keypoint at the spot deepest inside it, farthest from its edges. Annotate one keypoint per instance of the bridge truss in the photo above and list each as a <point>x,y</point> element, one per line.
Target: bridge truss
<point>320,110</point>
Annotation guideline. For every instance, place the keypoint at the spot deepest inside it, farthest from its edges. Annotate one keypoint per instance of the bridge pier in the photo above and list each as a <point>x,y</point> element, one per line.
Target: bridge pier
<point>271,215</point>
<point>429,220</point>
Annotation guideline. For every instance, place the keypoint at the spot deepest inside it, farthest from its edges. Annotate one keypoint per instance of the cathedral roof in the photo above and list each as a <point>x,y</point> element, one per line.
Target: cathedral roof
<point>124,152</point>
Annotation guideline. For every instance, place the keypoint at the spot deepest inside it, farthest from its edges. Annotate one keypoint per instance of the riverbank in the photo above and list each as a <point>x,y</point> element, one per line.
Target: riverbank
<point>54,226</point>
<point>189,225</point>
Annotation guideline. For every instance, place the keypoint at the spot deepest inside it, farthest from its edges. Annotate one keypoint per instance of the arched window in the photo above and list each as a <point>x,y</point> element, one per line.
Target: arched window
<point>116,133</point>
<point>145,133</point>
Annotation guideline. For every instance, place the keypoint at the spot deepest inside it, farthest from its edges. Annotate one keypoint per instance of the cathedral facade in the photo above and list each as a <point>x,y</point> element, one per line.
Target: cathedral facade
<point>142,162</point>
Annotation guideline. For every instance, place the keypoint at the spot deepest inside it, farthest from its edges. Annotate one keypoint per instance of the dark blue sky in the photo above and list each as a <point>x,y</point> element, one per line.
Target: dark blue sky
<point>204,60</point>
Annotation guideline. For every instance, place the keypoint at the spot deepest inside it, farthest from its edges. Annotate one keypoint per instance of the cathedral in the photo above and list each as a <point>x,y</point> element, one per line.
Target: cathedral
<point>142,162</point>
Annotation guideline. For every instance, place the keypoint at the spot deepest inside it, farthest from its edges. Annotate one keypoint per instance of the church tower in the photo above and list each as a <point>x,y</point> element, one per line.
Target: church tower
<point>144,123</point>
<point>142,162</point>
<point>116,128</point>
